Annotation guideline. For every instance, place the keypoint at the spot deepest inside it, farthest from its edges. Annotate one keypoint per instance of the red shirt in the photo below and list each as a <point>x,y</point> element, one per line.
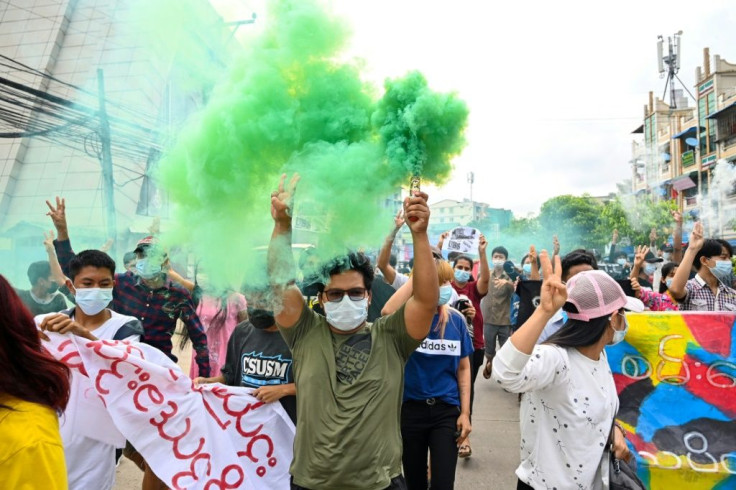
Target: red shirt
<point>471,291</point>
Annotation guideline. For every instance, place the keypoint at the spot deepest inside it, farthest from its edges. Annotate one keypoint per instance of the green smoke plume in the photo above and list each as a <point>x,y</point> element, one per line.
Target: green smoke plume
<point>288,104</point>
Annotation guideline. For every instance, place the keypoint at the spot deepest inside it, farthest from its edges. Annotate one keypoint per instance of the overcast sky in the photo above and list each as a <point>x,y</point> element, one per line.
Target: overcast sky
<point>554,88</point>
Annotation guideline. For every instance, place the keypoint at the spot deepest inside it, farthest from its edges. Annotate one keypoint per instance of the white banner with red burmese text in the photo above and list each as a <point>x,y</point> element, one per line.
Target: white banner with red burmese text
<point>211,437</point>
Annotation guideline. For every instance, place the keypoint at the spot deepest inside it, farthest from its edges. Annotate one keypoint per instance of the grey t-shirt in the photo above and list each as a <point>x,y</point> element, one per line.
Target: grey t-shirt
<point>258,358</point>
<point>56,304</point>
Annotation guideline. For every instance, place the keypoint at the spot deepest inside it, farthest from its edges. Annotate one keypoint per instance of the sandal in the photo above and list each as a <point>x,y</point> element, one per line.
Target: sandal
<point>465,451</point>
<point>487,370</point>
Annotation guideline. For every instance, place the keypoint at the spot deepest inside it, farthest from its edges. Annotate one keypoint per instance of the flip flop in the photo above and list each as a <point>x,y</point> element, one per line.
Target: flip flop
<point>465,451</point>
<point>486,371</point>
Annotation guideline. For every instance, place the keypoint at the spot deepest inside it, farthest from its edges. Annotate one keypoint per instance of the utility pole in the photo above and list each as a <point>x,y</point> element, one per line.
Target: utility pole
<point>471,180</point>
<point>106,162</point>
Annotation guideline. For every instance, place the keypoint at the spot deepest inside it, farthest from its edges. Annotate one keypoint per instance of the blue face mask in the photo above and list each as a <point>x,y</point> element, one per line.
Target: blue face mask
<point>527,268</point>
<point>462,276</point>
<point>146,269</point>
<point>445,295</point>
<point>649,269</point>
<point>722,270</point>
<point>668,281</point>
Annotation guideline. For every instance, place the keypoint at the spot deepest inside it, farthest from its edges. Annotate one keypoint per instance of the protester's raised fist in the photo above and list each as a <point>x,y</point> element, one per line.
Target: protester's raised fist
<point>482,245</point>
<point>282,199</point>
<point>399,219</point>
<point>416,212</point>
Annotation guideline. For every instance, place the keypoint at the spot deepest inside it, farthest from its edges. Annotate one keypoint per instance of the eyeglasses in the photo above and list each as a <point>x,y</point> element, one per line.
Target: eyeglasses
<point>336,295</point>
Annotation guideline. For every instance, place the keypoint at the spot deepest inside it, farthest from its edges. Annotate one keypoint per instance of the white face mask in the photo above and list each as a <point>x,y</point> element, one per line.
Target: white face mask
<point>618,335</point>
<point>93,300</point>
<point>621,262</point>
<point>346,315</point>
<point>498,264</point>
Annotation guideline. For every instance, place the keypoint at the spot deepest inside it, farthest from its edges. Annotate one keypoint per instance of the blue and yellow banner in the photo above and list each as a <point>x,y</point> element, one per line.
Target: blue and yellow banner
<point>676,379</point>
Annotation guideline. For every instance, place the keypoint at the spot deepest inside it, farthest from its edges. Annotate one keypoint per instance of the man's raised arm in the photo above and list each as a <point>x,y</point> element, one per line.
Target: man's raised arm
<point>62,245</point>
<point>422,306</point>
<point>281,268</point>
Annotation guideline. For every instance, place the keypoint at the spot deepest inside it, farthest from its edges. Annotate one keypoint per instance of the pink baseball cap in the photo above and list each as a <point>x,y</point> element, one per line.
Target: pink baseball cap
<point>595,294</point>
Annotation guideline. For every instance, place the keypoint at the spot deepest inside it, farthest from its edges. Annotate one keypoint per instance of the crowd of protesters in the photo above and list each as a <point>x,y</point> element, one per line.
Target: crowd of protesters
<point>378,372</point>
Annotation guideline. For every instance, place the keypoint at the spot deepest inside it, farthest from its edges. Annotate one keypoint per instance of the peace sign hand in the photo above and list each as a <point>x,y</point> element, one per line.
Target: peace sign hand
<point>282,200</point>
<point>554,292</point>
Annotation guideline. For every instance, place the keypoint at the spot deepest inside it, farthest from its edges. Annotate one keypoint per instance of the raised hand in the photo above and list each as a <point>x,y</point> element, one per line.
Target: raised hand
<point>399,219</point>
<point>614,238</point>
<point>58,214</point>
<point>677,216</point>
<point>696,237</point>
<point>641,253</point>
<point>283,199</point>
<point>653,235</point>
<point>482,245</point>
<point>416,211</point>
<point>532,253</point>
<point>555,245</point>
<point>554,292</point>
<point>48,240</point>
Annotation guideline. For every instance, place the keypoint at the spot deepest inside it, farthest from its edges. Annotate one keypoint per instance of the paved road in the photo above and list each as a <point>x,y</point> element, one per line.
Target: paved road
<point>495,441</point>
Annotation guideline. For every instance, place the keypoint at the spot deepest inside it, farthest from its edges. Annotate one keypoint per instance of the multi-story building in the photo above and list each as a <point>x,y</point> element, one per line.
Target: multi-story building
<point>59,60</point>
<point>677,153</point>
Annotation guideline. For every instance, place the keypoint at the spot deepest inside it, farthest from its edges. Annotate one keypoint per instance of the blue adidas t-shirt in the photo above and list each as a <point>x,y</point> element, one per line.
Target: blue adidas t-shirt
<point>431,371</point>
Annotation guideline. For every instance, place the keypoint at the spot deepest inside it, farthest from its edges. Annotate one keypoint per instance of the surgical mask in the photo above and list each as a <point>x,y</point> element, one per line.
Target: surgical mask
<point>668,282</point>
<point>346,315</point>
<point>445,295</point>
<point>462,276</point>
<point>618,335</point>
<point>261,319</point>
<point>621,262</point>
<point>498,264</point>
<point>667,256</point>
<point>722,270</point>
<point>146,269</point>
<point>649,269</point>
<point>93,300</point>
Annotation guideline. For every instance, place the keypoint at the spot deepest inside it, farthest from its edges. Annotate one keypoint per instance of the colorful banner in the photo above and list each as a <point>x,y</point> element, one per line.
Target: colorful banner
<point>676,379</point>
<point>208,437</point>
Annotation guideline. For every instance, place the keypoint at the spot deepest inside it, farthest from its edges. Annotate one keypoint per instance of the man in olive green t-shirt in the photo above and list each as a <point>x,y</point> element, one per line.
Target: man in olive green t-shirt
<point>349,374</point>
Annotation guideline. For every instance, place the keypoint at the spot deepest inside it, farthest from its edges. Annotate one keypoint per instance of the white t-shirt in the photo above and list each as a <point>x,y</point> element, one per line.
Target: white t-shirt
<point>91,463</point>
<point>566,413</point>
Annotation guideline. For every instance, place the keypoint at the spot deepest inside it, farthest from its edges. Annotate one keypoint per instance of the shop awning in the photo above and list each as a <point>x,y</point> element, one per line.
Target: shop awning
<point>683,182</point>
<point>689,133</point>
<point>721,112</point>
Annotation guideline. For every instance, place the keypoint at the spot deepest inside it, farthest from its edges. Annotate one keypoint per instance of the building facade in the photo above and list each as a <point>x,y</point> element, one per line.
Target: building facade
<point>677,149</point>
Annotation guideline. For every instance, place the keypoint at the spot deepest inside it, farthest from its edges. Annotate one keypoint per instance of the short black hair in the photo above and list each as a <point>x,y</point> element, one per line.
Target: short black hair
<point>577,257</point>
<point>452,256</point>
<point>462,257</point>
<point>354,261</point>
<point>90,258</point>
<point>500,250</point>
<point>726,245</point>
<point>711,248</point>
<point>539,263</point>
<point>393,260</point>
<point>666,269</point>
<point>128,257</point>
<point>39,270</point>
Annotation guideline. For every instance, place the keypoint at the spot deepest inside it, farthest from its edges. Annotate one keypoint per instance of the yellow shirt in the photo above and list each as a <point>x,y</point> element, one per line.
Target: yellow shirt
<point>31,452</point>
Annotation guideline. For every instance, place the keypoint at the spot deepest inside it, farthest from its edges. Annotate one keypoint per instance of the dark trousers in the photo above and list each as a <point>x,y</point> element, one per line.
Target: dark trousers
<point>477,361</point>
<point>429,425</point>
<point>397,483</point>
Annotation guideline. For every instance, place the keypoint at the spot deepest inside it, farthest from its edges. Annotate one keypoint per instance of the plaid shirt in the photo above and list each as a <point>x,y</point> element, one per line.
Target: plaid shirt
<point>157,309</point>
<point>699,297</point>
